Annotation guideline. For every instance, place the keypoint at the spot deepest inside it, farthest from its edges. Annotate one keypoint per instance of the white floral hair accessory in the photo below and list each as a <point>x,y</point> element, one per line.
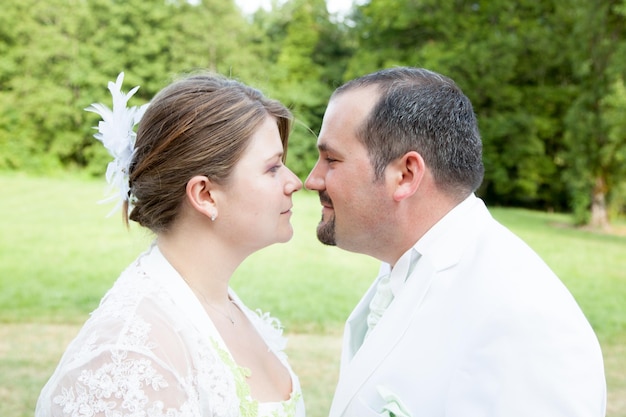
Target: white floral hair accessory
<point>116,131</point>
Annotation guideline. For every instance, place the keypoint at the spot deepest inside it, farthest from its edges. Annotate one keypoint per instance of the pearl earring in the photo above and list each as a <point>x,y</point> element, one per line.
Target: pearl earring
<point>213,217</point>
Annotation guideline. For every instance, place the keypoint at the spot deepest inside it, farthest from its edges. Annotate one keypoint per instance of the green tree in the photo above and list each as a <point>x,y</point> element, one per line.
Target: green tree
<point>41,76</point>
<point>546,78</point>
<point>58,56</point>
<point>300,75</point>
<point>502,55</point>
<point>595,139</point>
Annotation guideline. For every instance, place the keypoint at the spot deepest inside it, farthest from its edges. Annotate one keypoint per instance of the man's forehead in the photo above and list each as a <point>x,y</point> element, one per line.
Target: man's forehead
<point>367,94</point>
<point>346,111</point>
<point>350,107</point>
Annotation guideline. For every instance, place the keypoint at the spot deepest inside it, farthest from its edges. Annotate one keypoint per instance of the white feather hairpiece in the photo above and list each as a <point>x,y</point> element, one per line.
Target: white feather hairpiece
<point>116,131</point>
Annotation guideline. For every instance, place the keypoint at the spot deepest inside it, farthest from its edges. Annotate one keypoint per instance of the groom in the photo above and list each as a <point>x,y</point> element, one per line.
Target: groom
<point>464,319</point>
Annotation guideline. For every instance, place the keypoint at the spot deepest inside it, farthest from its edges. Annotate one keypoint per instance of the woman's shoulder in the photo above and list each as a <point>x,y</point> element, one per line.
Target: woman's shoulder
<point>136,314</point>
<point>139,286</point>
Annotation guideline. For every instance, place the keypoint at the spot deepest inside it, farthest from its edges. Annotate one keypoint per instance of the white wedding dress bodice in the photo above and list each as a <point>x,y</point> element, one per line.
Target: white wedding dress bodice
<point>150,349</point>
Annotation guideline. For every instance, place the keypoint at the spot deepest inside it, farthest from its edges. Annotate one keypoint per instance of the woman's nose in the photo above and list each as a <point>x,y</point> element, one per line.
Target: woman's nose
<point>293,183</point>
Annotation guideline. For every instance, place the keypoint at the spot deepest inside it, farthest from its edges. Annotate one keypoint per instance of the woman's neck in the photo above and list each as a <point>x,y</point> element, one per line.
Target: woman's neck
<point>202,260</point>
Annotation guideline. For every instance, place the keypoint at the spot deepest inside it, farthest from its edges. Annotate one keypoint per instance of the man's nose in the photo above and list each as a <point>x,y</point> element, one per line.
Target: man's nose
<point>314,182</point>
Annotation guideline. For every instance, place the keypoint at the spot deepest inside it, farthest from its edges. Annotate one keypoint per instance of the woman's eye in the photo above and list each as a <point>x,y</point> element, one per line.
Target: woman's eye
<point>275,168</point>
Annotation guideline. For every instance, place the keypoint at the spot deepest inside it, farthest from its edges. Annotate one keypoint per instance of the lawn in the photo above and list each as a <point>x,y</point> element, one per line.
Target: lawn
<point>59,253</point>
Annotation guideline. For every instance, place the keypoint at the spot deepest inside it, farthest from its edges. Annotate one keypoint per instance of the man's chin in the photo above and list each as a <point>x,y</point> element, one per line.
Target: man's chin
<point>326,233</point>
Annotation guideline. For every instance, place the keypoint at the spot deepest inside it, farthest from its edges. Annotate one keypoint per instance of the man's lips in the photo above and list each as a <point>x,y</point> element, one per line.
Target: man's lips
<point>327,207</point>
<point>325,201</point>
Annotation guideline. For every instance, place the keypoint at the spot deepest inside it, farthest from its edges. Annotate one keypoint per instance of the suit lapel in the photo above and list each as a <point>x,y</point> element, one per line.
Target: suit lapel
<point>357,367</point>
<point>441,248</point>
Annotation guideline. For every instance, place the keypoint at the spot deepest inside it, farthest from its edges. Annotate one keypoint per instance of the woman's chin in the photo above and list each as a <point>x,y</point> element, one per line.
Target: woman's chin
<point>286,236</point>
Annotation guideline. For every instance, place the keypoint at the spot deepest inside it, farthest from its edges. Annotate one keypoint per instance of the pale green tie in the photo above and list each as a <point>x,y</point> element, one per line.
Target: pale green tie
<point>381,300</point>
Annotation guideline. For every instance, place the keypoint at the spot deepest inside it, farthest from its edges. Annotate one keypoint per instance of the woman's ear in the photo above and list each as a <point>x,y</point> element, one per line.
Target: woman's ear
<point>198,191</point>
<point>407,174</point>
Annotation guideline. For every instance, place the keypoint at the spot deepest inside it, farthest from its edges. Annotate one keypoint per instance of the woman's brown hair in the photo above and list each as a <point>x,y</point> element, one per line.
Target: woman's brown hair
<point>199,125</point>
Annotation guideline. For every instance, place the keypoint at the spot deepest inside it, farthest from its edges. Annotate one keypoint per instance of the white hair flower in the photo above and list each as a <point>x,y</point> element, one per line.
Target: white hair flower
<point>116,131</point>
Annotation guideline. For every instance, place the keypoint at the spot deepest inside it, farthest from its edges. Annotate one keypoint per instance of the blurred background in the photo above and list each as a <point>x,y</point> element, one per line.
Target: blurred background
<point>546,78</point>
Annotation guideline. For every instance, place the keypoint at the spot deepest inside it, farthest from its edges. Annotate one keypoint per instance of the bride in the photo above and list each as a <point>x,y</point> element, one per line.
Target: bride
<point>205,173</point>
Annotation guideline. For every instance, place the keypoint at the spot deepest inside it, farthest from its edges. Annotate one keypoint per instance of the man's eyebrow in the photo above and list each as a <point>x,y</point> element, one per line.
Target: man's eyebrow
<point>329,149</point>
<point>323,147</point>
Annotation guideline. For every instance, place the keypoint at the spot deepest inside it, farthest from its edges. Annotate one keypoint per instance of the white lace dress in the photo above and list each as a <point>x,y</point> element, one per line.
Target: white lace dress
<point>150,349</point>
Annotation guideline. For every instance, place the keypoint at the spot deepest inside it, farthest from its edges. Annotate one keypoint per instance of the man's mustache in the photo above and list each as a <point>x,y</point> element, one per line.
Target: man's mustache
<point>325,199</point>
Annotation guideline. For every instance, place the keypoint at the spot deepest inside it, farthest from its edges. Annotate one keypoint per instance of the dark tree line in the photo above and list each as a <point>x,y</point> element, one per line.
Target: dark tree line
<point>546,78</point>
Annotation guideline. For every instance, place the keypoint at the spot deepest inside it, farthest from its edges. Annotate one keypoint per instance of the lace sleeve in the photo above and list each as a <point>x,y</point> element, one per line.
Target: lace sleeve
<point>147,350</point>
<point>120,382</point>
<point>124,362</point>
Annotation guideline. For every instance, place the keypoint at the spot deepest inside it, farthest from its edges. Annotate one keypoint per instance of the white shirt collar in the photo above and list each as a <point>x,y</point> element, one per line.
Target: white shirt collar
<point>401,270</point>
<point>406,263</point>
<point>457,214</point>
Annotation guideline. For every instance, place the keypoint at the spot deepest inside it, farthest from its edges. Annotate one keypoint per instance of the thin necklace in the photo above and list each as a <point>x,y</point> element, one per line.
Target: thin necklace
<point>227,315</point>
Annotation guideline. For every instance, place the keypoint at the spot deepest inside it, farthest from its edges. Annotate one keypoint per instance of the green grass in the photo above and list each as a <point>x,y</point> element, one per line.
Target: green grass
<point>59,253</point>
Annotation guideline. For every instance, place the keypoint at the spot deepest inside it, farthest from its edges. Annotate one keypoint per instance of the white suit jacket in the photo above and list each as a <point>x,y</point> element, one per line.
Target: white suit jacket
<point>482,327</point>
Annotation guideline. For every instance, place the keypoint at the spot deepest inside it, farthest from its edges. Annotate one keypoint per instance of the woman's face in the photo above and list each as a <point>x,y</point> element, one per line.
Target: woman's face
<point>256,201</point>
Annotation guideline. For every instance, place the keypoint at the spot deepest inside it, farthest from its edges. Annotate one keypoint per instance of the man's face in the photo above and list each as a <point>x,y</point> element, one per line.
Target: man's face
<point>352,201</point>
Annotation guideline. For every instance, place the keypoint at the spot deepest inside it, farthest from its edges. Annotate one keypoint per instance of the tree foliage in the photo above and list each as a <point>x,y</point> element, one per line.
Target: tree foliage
<point>547,78</point>
<point>595,143</point>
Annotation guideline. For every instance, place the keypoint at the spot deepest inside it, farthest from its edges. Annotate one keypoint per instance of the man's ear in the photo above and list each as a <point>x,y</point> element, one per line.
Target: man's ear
<point>198,191</point>
<point>407,174</point>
